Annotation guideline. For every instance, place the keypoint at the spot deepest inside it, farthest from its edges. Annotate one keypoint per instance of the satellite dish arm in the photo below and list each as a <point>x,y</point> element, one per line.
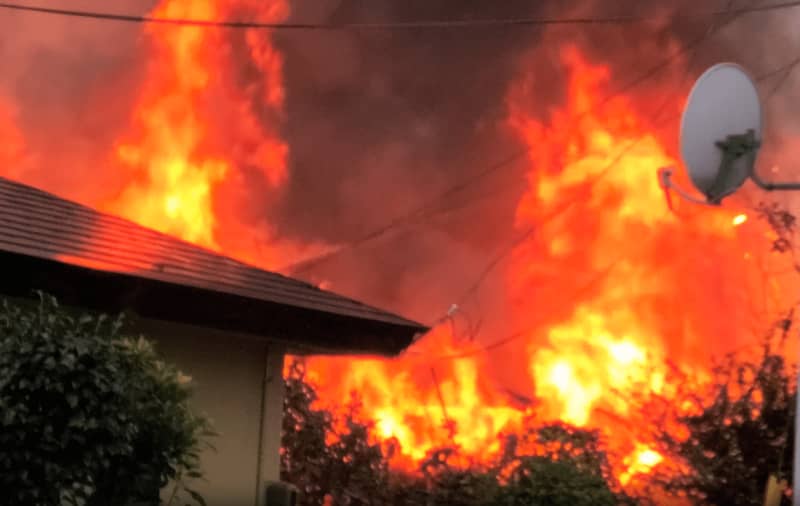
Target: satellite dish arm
<point>768,186</point>
<point>665,177</point>
<point>746,145</point>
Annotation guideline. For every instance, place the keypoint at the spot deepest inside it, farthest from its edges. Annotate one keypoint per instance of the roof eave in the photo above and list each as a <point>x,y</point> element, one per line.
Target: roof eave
<point>313,331</point>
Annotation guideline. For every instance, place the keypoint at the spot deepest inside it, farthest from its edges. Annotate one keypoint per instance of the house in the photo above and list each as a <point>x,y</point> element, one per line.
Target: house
<point>226,324</point>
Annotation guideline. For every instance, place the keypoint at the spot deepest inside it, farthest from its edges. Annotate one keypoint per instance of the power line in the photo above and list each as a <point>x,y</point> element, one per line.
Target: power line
<point>605,272</point>
<point>425,211</point>
<point>787,72</point>
<point>730,16</point>
<point>520,334</point>
<point>527,233</point>
<point>585,287</point>
<point>425,24</point>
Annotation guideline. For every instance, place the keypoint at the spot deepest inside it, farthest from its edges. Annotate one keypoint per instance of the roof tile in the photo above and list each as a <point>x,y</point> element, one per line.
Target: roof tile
<point>39,224</point>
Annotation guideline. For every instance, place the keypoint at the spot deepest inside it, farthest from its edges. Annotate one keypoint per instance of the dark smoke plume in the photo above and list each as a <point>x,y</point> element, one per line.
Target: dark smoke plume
<point>378,122</point>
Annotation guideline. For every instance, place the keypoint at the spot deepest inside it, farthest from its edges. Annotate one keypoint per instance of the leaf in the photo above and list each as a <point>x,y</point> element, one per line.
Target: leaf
<point>196,496</point>
<point>117,418</point>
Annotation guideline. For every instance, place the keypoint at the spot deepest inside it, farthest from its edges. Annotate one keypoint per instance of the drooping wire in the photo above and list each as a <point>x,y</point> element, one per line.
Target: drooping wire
<point>428,208</point>
<point>694,46</point>
<point>605,272</point>
<point>424,24</point>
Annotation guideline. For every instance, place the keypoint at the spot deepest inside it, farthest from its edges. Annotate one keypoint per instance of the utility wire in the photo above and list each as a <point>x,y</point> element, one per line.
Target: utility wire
<point>787,72</point>
<point>527,233</point>
<point>504,252</point>
<point>520,334</point>
<point>427,209</point>
<point>425,24</point>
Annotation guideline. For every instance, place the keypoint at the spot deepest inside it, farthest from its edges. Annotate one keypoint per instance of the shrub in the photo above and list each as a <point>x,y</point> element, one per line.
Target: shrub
<point>334,454</point>
<point>738,437</point>
<point>88,416</point>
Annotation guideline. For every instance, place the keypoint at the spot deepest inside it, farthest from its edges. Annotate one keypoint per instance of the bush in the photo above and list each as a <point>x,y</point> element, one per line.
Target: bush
<point>89,417</point>
<point>328,454</point>
<point>738,437</point>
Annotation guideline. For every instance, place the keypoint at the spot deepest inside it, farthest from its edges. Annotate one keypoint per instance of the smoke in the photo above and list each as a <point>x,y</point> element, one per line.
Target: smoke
<point>377,122</point>
<point>380,123</point>
<point>70,84</point>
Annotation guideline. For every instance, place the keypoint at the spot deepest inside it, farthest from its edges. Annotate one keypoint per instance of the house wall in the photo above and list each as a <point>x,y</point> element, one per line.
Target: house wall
<point>229,374</point>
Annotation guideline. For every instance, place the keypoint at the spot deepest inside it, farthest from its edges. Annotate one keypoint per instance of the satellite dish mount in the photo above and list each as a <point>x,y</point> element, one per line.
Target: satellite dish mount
<point>720,136</point>
<point>734,147</point>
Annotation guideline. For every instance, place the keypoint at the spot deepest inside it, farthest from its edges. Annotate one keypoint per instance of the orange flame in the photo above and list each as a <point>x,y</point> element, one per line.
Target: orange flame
<point>180,151</point>
<point>608,288</point>
<point>12,143</point>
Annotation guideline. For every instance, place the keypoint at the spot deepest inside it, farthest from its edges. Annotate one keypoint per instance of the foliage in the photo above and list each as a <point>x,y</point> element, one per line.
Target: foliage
<point>322,457</point>
<point>556,465</point>
<point>325,455</point>
<point>540,481</point>
<point>741,431</point>
<point>739,437</point>
<point>89,417</point>
<point>782,222</point>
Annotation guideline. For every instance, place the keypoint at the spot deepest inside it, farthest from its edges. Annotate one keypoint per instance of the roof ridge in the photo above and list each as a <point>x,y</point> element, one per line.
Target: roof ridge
<point>198,263</point>
<point>126,221</point>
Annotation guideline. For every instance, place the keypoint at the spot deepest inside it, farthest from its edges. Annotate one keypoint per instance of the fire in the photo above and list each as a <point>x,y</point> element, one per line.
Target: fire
<point>641,461</point>
<point>412,400</point>
<point>12,143</point>
<point>606,289</point>
<point>610,287</point>
<point>193,127</point>
<point>604,270</point>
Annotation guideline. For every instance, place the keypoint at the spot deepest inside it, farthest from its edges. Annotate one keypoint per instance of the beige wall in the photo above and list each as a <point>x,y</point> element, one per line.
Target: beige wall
<point>228,373</point>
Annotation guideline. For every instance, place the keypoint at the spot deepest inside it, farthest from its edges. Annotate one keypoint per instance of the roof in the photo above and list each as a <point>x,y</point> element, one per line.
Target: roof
<point>39,229</point>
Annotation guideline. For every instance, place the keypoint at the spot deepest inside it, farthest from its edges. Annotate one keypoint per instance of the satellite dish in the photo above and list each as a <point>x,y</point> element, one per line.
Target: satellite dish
<point>721,130</point>
<point>720,136</point>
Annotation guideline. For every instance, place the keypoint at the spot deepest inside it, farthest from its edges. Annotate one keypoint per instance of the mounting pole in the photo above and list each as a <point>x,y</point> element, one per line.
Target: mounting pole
<point>796,459</point>
<point>733,148</point>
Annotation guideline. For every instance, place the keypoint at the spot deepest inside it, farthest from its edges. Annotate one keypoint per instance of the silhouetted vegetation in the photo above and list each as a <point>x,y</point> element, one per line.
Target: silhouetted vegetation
<point>736,437</point>
<point>88,415</point>
<point>551,465</point>
<point>739,431</point>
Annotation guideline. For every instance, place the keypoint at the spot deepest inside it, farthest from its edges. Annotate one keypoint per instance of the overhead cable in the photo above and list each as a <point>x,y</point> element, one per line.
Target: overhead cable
<point>429,206</point>
<point>402,25</point>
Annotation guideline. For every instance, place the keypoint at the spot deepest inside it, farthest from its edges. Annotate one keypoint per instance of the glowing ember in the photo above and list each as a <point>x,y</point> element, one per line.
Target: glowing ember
<point>642,461</point>
<point>739,219</point>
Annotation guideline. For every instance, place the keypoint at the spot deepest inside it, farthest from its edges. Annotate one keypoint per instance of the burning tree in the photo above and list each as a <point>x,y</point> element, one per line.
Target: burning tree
<point>730,437</point>
<point>340,457</point>
<point>90,416</point>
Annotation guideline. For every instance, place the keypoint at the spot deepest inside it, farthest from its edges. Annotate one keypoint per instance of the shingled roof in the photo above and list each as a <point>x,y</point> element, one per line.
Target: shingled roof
<point>105,262</point>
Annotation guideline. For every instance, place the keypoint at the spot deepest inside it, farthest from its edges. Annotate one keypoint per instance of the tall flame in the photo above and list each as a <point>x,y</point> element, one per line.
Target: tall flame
<point>194,124</point>
<point>607,287</point>
<point>603,291</point>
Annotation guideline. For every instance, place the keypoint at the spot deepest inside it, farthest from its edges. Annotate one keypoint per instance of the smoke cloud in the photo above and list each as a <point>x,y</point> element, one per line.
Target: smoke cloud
<point>377,122</point>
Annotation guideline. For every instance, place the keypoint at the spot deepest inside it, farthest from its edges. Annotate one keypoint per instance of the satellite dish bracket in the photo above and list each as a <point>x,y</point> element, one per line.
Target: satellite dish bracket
<point>733,148</point>
<point>665,178</point>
